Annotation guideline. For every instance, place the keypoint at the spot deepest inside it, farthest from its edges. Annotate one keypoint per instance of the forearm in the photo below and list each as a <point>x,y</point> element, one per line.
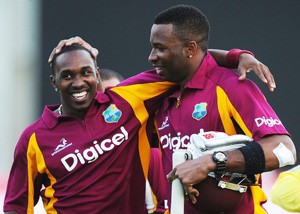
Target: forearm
<point>219,56</point>
<point>236,160</point>
<point>271,144</point>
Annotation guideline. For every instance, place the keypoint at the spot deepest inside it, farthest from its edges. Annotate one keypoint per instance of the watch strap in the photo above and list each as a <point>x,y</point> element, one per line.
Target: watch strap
<point>221,165</point>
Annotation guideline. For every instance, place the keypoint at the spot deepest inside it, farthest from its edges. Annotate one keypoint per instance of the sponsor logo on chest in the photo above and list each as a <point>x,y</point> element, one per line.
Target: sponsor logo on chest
<point>92,153</point>
<point>174,142</point>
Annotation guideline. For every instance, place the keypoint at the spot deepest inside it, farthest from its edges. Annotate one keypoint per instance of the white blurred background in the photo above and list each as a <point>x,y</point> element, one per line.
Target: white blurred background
<point>20,80</point>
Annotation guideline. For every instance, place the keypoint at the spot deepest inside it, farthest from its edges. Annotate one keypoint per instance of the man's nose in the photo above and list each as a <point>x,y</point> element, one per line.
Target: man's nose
<point>152,56</point>
<point>78,82</point>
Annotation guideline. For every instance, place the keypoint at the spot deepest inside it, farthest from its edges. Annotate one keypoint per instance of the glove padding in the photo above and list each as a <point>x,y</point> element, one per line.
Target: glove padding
<point>209,142</point>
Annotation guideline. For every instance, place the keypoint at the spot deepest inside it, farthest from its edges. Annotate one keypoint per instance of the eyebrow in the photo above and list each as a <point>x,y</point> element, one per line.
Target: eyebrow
<point>82,68</point>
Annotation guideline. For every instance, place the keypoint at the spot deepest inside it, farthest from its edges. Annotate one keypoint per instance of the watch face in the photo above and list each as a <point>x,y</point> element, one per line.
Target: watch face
<point>220,156</point>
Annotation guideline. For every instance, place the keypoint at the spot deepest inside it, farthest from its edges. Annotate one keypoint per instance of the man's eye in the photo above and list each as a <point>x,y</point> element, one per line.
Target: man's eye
<point>87,73</point>
<point>161,49</point>
<point>66,76</point>
<point>158,48</point>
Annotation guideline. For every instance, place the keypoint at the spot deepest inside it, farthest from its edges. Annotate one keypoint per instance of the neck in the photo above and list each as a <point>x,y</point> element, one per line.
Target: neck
<point>192,67</point>
<point>79,114</point>
<point>195,63</point>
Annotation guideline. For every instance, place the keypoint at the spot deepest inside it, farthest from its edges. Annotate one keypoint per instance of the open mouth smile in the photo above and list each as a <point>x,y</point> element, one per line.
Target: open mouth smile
<point>79,96</point>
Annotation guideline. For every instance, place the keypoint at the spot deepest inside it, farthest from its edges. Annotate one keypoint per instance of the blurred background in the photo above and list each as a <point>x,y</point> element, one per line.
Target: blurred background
<point>30,29</point>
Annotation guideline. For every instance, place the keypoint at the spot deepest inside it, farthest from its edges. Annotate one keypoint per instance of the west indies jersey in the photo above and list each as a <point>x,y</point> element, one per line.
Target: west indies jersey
<point>96,165</point>
<point>215,100</point>
<point>157,180</point>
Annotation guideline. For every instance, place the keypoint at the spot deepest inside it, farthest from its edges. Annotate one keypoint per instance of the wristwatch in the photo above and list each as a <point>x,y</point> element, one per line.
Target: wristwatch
<point>220,158</point>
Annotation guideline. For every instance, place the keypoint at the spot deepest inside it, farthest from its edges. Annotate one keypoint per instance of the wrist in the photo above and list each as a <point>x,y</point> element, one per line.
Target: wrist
<point>233,57</point>
<point>210,164</point>
<point>220,158</point>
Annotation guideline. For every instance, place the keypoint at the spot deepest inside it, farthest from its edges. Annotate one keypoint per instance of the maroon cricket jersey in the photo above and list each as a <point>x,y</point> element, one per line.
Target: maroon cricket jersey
<point>97,165</point>
<point>215,100</point>
<point>157,179</point>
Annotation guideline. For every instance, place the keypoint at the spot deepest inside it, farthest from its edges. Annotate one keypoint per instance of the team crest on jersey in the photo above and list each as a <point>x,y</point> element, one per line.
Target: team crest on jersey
<point>199,111</point>
<point>112,114</point>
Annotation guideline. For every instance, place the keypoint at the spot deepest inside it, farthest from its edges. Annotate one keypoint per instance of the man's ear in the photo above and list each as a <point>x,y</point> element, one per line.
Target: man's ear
<point>190,48</point>
<point>98,74</point>
<point>53,83</point>
<point>99,81</point>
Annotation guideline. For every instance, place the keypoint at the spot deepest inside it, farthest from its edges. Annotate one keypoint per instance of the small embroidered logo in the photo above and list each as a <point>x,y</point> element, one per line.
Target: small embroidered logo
<point>165,124</point>
<point>63,144</point>
<point>199,111</point>
<point>112,114</point>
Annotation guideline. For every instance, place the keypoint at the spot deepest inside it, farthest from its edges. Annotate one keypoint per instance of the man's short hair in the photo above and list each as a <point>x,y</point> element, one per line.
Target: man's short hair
<point>189,23</point>
<point>65,49</point>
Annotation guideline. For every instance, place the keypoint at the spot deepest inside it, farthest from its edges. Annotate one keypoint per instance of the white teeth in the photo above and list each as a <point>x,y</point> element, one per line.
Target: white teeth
<point>79,95</point>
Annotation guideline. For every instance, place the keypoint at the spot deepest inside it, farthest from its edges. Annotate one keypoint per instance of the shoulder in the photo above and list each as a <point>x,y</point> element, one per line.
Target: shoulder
<point>143,77</point>
<point>26,135</point>
<point>144,86</point>
<point>45,122</point>
<point>33,127</point>
<point>229,81</point>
